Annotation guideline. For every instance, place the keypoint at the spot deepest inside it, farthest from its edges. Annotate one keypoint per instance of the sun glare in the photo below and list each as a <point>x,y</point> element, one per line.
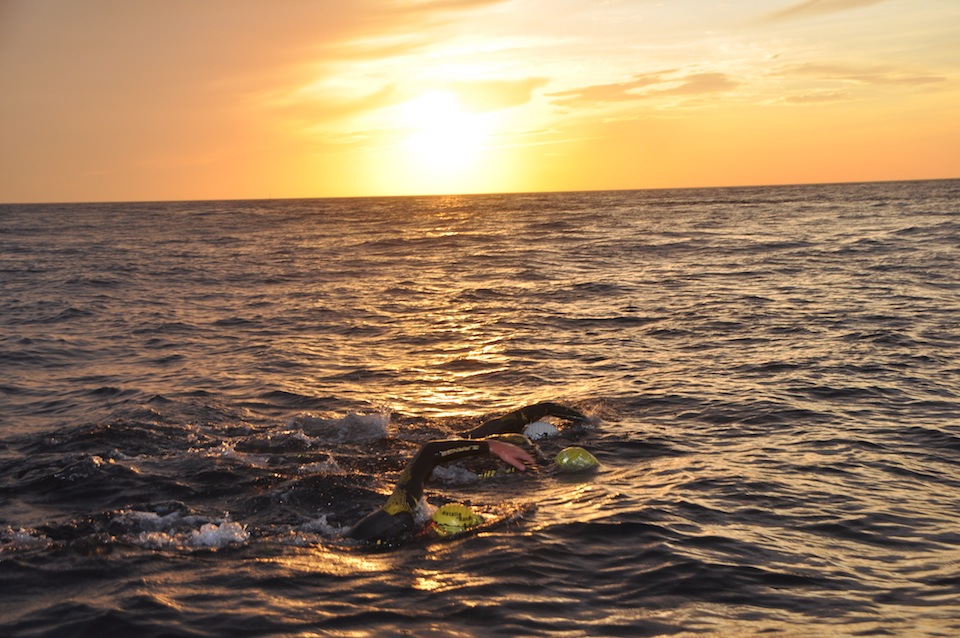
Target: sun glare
<point>443,137</point>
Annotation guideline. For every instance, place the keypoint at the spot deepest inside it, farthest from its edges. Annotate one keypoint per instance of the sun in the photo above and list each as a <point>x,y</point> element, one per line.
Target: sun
<point>442,136</point>
<point>440,141</point>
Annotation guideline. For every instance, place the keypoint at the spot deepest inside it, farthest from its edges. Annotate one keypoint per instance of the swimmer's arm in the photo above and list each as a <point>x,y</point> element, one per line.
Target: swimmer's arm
<point>439,452</point>
<point>410,487</point>
<point>540,410</point>
<point>516,420</point>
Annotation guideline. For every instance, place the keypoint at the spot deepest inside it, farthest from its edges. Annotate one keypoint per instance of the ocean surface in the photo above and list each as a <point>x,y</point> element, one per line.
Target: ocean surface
<point>197,398</point>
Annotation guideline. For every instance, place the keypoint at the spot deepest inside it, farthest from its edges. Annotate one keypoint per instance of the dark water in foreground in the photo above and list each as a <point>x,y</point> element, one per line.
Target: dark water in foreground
<point>197,397</point>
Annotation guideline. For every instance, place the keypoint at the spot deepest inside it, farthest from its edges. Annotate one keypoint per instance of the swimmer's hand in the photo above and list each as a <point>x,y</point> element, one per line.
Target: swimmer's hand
<point>511,454</point>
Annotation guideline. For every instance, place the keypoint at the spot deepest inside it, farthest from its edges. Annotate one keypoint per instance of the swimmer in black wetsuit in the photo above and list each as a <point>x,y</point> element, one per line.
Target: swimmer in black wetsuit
<point>394,521</point>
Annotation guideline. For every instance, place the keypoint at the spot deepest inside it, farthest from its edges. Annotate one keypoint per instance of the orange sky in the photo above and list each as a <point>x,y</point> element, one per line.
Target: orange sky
<point>216,99</point>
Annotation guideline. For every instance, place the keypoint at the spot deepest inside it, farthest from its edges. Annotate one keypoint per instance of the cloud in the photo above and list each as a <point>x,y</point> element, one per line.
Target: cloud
<point>316,105</point>
<point>600,93</point>
<point>493,95</point>
<point>878,75</point>
<point>333,108</point>
<point>417,6</point>
<point>809,8</point>
<point>822,97</point>
<point>700,83</point>
<point>647,86</point>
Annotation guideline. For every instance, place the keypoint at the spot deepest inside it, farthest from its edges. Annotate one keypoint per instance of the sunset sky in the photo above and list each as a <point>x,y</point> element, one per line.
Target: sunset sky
<point>107,100</point>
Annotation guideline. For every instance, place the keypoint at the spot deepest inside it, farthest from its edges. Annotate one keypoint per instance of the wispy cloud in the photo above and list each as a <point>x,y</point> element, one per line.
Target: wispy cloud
<point>700,83</point>
<point>642,87</point>
<point>443,5</point>
<point>599,93</point>
<point>822,97</point>
<point>876,75</point>
<point>493,95</point>
<point>818,7</point>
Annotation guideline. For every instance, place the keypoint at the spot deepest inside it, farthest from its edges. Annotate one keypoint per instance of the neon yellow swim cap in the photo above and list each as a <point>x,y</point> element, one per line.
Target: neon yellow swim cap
<point>576,459</point>
<point>454,518</point>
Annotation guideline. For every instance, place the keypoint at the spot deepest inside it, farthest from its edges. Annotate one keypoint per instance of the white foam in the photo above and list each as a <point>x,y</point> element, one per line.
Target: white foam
<point>296,538</point>
<point>150,521</point>
<point>157,540</point>
<point>453,475</point>
<point>423,512</point>
<point>350,428</point>
<point>160,532</point>
<point>217,536</point>
<point>228,450</point>
<point>320,526</point>
<point>327,466</point>
<point>18,539</point>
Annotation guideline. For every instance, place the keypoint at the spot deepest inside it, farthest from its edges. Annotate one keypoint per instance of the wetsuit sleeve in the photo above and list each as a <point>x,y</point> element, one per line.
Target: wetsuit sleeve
<point>409,488</point>
<point>516,420</point>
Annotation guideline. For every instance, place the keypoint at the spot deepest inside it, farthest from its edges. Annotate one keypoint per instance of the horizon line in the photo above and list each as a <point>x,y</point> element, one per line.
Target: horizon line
<point>475,194</point>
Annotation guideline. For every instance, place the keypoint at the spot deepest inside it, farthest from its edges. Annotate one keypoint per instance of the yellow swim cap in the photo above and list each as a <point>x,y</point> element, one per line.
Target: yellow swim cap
<point>576,459</point>
<point>453,518</point>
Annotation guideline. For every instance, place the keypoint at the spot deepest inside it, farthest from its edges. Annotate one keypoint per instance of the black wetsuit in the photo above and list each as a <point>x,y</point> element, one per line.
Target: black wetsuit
<point>394,521</point>
<point>518,419</point>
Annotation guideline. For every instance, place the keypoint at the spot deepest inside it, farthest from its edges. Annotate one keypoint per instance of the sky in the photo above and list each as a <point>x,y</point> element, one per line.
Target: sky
<point>122,100</point>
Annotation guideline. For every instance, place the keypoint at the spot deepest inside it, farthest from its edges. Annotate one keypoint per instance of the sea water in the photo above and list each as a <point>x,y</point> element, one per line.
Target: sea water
<point>197,398</point>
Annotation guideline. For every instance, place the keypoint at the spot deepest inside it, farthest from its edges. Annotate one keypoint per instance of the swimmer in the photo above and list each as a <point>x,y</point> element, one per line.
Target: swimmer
<point>394,521</point>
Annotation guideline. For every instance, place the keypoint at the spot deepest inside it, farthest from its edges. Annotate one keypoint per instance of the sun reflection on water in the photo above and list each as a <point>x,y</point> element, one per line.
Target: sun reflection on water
<point>461,350</point>
<point>335,562</point>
